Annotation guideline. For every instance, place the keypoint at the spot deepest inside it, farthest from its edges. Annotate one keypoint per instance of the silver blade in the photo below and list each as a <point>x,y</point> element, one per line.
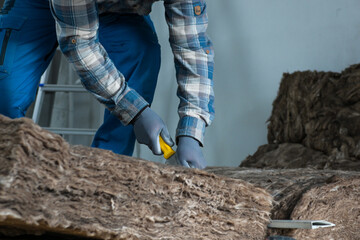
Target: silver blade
<point>172,161</point>
<point>175,162</point>
<point>303,224</point>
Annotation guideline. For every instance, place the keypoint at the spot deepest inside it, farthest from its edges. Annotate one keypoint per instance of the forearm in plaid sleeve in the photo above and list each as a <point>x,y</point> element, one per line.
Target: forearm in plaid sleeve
<point>194,62</point>
<point>77,24</point>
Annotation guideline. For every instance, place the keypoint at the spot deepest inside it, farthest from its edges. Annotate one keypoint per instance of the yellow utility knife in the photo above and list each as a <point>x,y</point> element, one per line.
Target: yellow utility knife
<point>169,153</point>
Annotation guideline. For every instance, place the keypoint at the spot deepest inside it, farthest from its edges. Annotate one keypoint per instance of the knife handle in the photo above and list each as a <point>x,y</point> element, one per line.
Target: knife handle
<point>165,148</point>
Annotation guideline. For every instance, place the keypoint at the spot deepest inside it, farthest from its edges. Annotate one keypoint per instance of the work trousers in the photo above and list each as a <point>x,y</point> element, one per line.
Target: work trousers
<point>28,43</point>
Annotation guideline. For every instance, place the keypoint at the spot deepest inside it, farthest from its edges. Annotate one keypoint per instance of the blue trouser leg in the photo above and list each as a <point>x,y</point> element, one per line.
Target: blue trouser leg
<point>27,44</point>
<point>132,45</point>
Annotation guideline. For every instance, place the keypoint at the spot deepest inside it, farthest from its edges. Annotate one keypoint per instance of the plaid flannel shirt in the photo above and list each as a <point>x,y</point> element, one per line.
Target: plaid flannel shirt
<point>77,23</point>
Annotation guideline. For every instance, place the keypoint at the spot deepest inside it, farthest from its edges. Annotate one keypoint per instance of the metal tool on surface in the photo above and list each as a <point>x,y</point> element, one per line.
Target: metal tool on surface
<point>303,224</point>
<point>170,154</point>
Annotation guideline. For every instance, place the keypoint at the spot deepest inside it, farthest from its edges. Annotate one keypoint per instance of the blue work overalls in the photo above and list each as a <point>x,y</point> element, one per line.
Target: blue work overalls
<point>27,45</point>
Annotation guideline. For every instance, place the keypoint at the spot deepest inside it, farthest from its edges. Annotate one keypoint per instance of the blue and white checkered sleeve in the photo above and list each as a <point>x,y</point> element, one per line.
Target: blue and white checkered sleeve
<point>76,25</point>
<point>194,62</point>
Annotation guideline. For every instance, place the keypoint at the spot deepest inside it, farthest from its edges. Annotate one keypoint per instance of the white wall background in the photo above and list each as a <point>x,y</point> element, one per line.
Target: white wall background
<point>255,42</point>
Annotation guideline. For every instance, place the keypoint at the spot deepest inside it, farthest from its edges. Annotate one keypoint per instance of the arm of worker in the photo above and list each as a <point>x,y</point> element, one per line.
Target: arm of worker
<point>194,62</point>
<point>77,23</point>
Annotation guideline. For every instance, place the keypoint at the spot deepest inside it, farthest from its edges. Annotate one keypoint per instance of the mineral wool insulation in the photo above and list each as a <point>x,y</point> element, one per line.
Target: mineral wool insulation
<point>46,185</point>
<point>315,122</point>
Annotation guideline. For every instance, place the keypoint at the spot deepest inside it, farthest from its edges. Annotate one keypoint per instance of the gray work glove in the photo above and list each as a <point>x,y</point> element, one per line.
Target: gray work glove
<point>147,127</point>
<point>189,153</point>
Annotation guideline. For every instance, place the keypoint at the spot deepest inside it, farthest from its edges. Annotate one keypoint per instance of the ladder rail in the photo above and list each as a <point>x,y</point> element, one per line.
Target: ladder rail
<point>39,97</point>
<point>72,131</point>
<point>62,88</point>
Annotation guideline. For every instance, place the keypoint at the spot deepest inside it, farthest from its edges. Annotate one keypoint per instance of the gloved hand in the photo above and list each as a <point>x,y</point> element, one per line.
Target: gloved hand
<point>147,127</point>
<point>189,153</point>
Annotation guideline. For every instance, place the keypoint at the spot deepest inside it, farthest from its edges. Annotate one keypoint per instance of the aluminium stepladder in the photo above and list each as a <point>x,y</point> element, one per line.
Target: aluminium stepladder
<point>44,87</point>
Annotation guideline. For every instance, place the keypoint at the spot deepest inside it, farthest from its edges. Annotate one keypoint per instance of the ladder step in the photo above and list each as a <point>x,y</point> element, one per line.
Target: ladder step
<point>62,88</point>
<point>71,131</point>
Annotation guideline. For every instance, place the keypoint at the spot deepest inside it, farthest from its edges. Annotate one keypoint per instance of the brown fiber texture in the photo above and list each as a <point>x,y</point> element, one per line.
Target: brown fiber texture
<point>295,155</point>
<point>306,194</point>
<point>340,202</point>
<point>286,186</point>
<point>321,111</point>
<point>48,186</point>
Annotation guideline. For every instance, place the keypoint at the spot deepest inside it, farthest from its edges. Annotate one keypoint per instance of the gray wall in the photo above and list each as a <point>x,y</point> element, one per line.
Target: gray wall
<point>255,42</point>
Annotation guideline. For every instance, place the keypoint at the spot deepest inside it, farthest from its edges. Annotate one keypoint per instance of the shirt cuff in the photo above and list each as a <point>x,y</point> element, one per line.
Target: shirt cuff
<point>129,106</point>
<point>193,127</point>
